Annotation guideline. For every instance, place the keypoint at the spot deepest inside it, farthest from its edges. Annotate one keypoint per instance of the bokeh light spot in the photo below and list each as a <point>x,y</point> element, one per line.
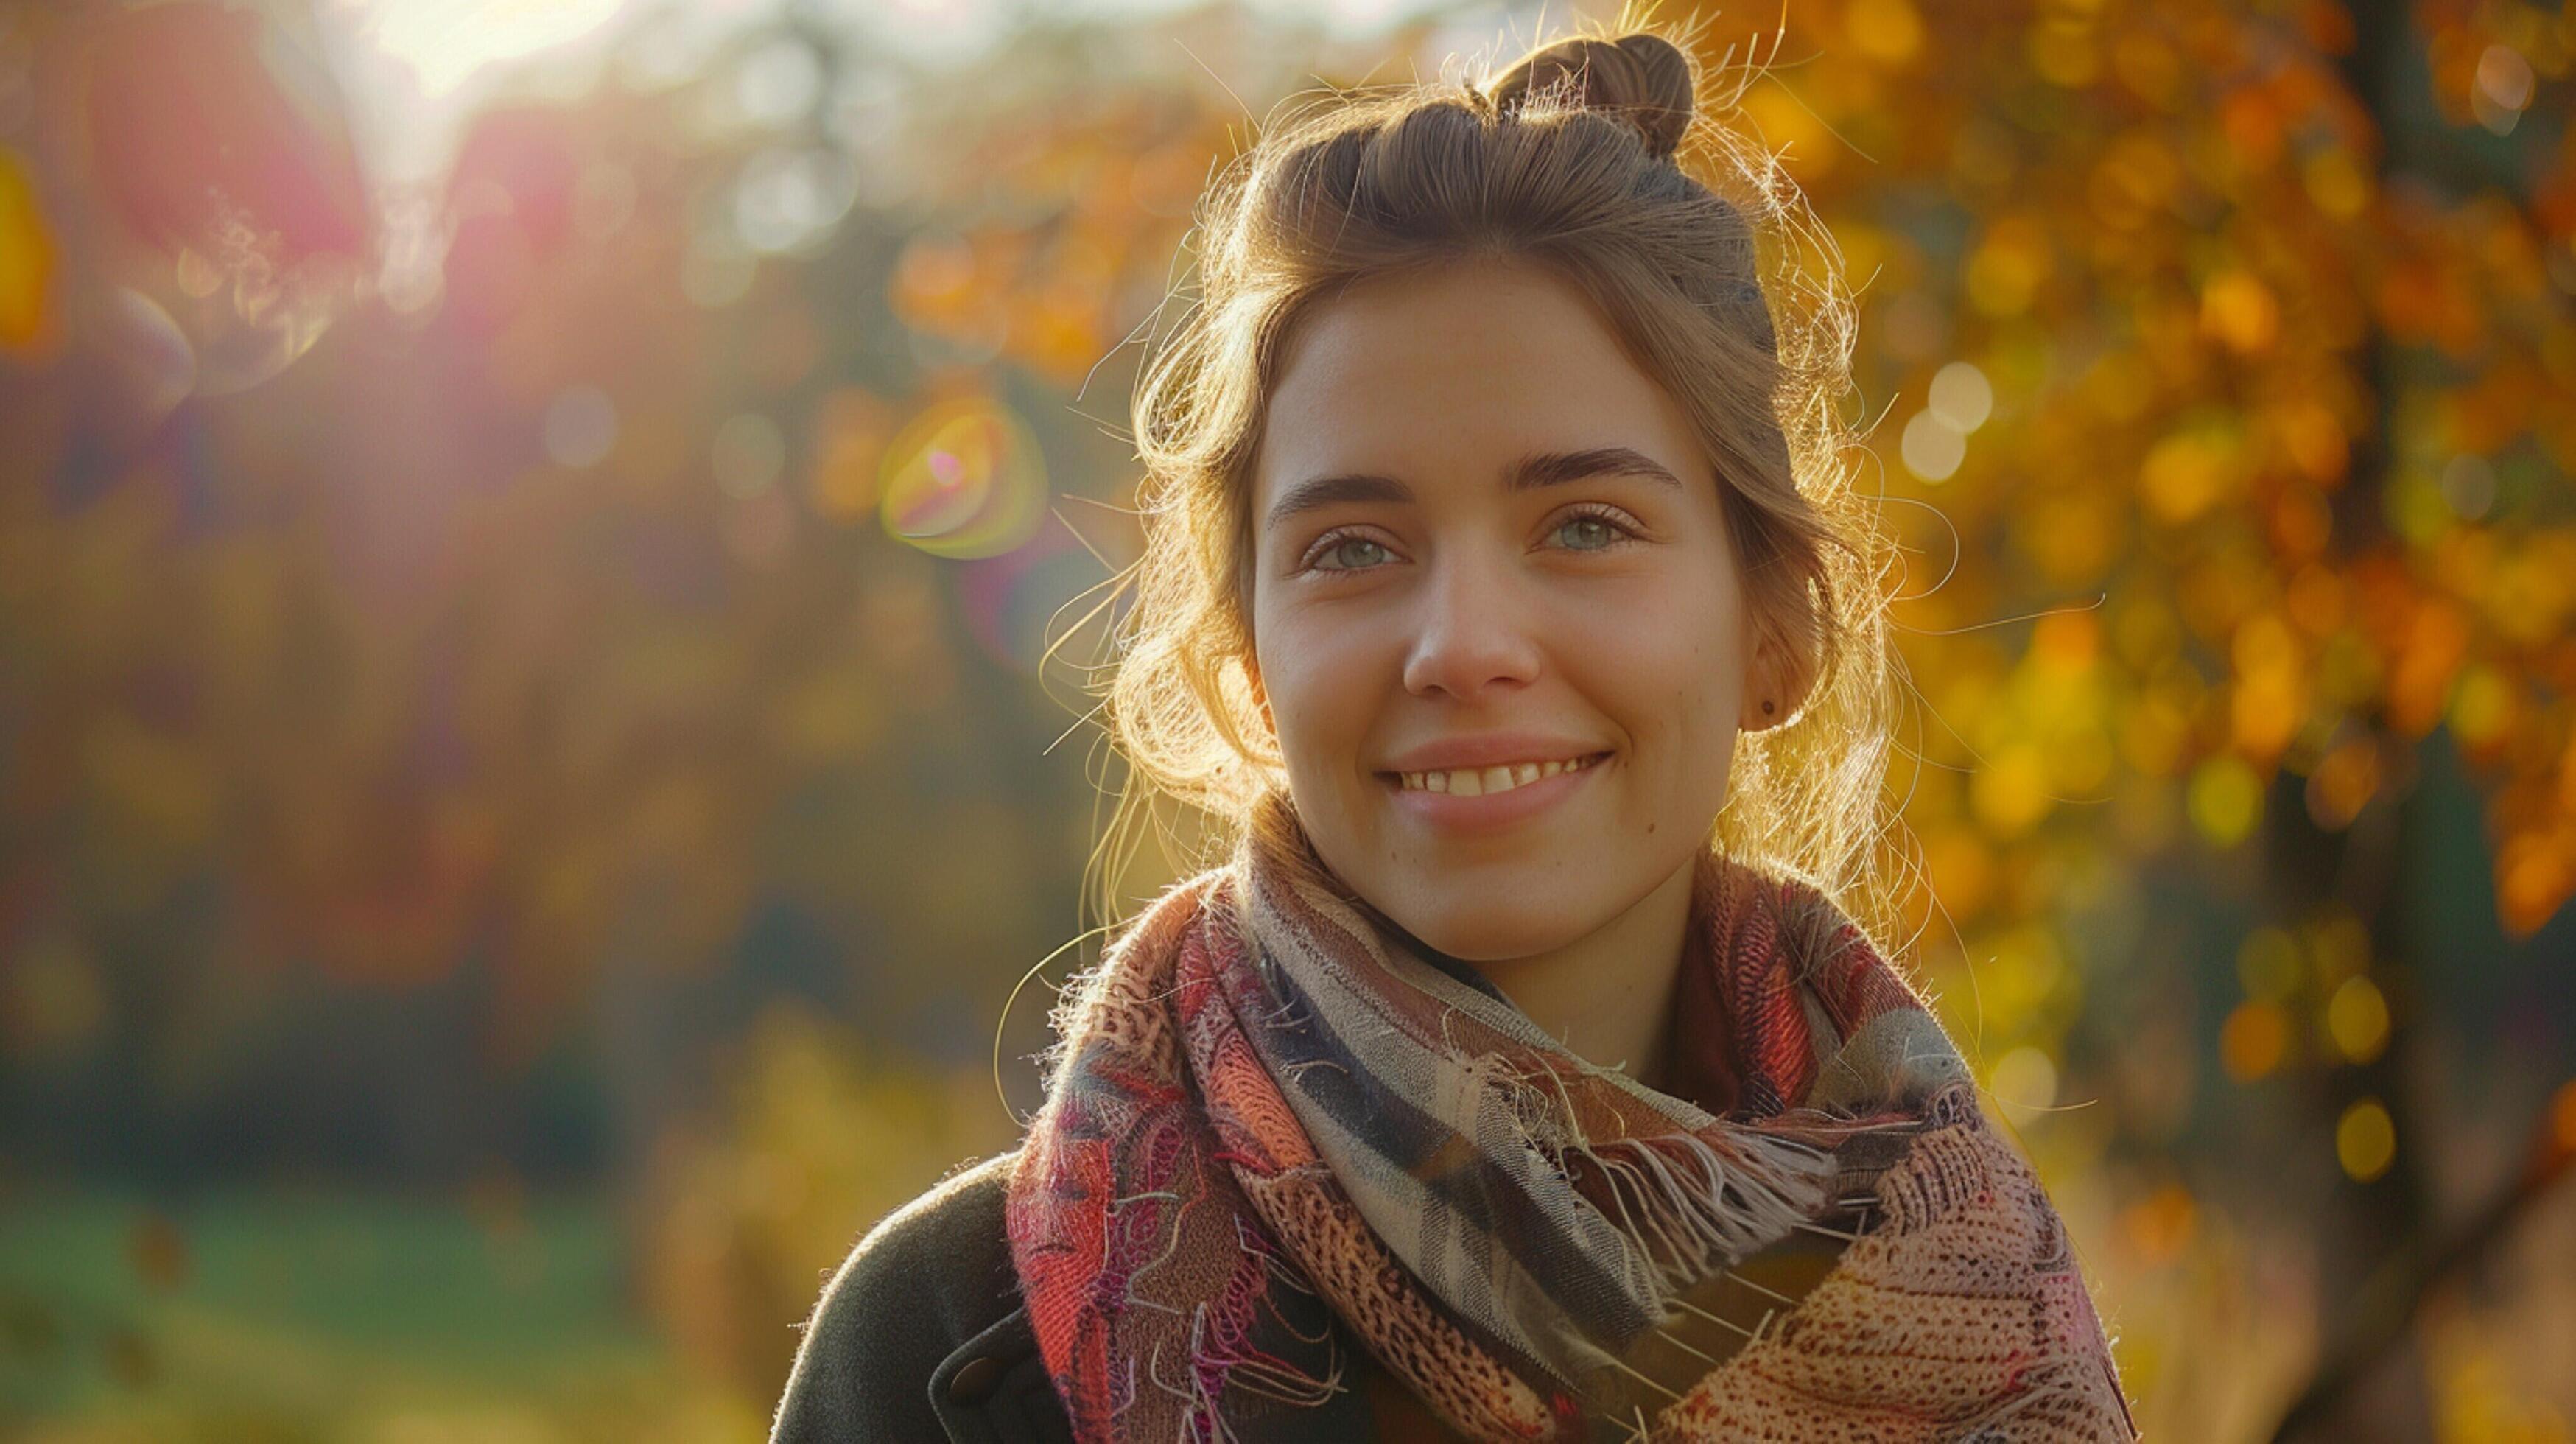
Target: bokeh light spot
<point>2005,271</point>
<point>2357,1019</point>
<point>26,260</point>
<point>2160,1226</point>
<point>2226,800</point>
<point>1887,31</point>
<point>2186,474</point>
<point>1962,397</point>
<point>2240,311</point>
<point>2365,1140</point>
<point>2469,485</point>
<point>2024,1078</point>
<point>2010,793</point>
<point>2253,1040</point>
<point>2337,182</point>
<point>788,200</point>
<point>2504,87</point>
<point>580,427</point>
<point>1932,448</point>
<point>778,82</point>
<point>2483,706</point>
<point>2343,783</point>
<point>849,437</point>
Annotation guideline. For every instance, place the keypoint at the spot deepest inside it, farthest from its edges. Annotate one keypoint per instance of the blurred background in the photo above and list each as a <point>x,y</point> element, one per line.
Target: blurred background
<point>529,773</point>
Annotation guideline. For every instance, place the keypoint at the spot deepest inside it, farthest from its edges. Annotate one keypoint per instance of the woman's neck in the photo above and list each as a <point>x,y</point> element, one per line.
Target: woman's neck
<point>1608,995</point>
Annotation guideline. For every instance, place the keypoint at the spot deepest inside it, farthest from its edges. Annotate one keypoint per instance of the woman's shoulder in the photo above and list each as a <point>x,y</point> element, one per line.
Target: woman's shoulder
<point>885,1353</point>
<point>951,1232</point>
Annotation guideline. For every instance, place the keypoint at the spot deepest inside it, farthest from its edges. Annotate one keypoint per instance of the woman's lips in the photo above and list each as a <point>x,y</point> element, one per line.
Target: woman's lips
<point>1485,811</point>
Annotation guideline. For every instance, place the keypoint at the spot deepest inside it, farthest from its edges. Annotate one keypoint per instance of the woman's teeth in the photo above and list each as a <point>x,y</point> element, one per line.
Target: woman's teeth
<point>1477,781</point>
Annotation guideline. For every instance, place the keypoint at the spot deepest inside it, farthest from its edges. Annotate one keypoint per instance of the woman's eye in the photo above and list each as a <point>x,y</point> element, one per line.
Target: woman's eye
<point>1590,533</point>
<point>1350,554</point>
<point>1585,533</point>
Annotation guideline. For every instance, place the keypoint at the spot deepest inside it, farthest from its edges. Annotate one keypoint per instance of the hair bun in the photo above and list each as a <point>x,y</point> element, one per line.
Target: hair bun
<point>1641,76</point>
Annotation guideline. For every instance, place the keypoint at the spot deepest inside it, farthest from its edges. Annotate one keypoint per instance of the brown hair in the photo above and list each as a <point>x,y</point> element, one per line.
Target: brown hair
<point>1591,156</point>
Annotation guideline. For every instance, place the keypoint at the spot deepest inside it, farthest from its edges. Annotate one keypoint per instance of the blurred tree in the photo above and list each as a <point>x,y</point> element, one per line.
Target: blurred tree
<point>579,719</point>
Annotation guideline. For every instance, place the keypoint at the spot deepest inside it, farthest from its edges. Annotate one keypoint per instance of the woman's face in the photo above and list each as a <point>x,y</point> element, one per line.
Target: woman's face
<point>1486,542</point>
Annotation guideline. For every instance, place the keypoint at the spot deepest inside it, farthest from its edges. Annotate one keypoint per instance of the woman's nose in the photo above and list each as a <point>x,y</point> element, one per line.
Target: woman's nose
<point>1469,634</point>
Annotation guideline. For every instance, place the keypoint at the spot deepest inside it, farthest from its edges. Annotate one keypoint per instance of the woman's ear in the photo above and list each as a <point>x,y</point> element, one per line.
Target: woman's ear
<point>1776,680</point>
<point>1764,706</point>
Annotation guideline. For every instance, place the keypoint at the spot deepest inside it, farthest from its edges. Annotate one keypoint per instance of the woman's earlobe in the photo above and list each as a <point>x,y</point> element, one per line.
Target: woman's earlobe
<point>1772,693</point>
<point>1761,691</point>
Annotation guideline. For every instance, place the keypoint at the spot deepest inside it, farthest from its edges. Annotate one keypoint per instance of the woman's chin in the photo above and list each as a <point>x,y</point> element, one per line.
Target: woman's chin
<point>1478,925</point>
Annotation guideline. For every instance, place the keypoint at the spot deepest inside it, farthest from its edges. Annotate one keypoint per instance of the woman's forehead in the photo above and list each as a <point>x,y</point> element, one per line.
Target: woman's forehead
<point>1459,370</point>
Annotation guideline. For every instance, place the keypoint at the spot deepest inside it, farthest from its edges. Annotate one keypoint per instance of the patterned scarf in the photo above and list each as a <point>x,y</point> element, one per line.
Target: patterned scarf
<point>1270,1117</point>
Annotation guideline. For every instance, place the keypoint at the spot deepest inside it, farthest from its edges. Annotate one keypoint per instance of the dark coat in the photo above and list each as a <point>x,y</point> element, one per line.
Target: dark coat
<point>921,1337</point>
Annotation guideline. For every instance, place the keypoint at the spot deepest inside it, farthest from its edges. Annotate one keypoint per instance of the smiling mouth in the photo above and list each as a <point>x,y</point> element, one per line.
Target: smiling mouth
<point>1479,781</point>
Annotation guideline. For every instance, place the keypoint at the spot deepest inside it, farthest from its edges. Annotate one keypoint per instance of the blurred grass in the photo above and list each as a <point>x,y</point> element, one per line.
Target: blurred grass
<point>295,1315</point>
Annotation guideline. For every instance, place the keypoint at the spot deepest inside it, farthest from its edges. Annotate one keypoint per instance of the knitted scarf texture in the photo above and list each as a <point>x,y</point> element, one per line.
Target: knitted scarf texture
<point>1275,1131</point>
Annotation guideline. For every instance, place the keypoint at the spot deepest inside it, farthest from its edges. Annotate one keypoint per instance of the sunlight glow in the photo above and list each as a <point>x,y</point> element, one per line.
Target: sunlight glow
<point>445,42</point>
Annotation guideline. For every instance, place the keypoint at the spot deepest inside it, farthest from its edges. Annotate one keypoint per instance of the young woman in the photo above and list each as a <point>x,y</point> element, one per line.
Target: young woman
<point>1519,1077</point>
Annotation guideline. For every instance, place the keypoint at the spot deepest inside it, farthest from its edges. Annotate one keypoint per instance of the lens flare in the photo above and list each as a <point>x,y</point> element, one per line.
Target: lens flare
<point>965,479</point>
<point>150,366</point>
<point>225,184</point>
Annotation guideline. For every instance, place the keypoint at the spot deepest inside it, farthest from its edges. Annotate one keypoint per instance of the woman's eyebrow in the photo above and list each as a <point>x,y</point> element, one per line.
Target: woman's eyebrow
<point>1538,469</point>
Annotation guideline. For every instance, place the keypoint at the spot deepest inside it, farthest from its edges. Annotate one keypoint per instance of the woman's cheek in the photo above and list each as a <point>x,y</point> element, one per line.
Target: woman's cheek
<point>1318,696</point>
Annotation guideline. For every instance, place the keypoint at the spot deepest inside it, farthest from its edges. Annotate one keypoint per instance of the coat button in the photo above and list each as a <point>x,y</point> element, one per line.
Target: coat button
<point>970,1384</point>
